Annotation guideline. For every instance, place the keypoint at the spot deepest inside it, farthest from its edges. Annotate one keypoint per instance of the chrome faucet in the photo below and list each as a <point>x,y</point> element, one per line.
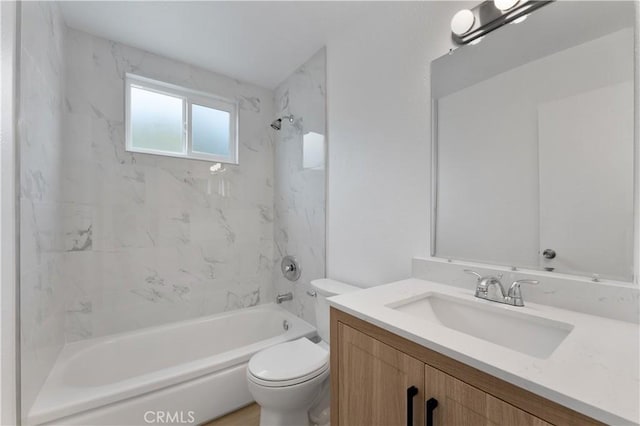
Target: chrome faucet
<point>513,297</point>
<point>284,297</point>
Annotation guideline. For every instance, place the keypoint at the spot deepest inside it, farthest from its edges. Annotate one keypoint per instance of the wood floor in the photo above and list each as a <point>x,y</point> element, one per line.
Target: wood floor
<point>247,416</point>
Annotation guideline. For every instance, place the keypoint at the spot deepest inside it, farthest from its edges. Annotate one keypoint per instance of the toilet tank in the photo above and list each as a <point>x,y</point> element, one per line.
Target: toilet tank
<point>326,288</point>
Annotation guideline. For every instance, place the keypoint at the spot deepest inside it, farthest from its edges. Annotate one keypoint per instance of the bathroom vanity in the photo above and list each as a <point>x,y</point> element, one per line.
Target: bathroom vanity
<point>534,155</point>
<point>417,352</point>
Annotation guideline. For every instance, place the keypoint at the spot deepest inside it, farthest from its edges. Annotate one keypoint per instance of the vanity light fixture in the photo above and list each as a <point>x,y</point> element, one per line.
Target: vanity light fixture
<point>470,24</point>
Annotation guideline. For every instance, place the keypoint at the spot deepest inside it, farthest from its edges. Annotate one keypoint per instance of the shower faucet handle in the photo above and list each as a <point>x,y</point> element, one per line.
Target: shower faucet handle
<point>290,268</point>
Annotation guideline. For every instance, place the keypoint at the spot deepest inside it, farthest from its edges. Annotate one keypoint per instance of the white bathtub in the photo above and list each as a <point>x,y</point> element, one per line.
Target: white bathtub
<point>180,373</point>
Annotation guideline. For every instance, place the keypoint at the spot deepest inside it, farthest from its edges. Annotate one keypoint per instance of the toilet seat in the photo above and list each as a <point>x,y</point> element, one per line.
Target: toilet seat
<point>286,383</point>
<point>288,364</point>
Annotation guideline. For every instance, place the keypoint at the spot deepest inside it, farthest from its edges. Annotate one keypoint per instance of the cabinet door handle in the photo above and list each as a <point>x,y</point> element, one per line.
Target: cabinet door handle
<point>431,405</point>
<point>411,392</point>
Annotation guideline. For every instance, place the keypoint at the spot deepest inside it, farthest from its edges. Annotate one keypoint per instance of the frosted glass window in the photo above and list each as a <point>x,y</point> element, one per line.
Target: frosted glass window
<point>209,130</point>
<point>165,119</point>
<point>156,121</point>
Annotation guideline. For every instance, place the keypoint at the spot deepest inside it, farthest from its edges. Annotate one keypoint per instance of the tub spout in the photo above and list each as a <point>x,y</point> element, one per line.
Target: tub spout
<point>284,297</point>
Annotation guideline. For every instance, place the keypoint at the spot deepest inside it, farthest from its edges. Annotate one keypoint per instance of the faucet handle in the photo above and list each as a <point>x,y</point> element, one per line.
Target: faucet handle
<point>514,290</point>
<point>470,272</point>
<point>532,282</point>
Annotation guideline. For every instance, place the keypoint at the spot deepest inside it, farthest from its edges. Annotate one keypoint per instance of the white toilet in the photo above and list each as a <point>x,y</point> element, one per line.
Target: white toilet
<point>290,381</point>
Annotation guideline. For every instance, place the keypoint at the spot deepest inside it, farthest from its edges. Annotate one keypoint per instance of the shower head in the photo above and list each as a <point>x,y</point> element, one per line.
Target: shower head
<point>277,124</point>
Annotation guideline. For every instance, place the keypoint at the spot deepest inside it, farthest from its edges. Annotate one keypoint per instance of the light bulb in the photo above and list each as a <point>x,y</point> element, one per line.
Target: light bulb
<point>462,22</point>
<point>505,5</point>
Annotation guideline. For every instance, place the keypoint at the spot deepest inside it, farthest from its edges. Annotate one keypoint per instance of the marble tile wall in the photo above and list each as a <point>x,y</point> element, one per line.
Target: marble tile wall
<point>42,234</point>
<point>299,187</point>
<point>113,241</point>
<point>150,239</point>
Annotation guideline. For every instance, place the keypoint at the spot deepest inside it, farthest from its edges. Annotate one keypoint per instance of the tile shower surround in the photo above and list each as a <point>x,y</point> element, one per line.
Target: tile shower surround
<point>114,241</point>
<point>155,238</point>
<point>300,192</point>
<point>43,244</point>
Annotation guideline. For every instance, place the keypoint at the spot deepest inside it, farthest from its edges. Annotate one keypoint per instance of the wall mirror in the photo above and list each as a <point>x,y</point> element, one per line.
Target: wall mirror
<point>533,136</point>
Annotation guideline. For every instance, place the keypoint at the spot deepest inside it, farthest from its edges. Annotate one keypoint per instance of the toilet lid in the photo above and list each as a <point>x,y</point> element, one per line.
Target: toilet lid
<point>288,361</point>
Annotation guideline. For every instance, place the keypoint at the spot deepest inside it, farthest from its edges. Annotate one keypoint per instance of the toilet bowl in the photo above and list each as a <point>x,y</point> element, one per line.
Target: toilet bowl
<point>285,381</point>
<point>290,381</point>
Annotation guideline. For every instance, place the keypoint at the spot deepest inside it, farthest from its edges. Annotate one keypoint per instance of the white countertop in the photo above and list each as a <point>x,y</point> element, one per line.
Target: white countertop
<point>594,371</point>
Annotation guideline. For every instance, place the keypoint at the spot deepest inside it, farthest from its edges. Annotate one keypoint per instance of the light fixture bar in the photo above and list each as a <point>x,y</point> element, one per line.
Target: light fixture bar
<point>488,17</point>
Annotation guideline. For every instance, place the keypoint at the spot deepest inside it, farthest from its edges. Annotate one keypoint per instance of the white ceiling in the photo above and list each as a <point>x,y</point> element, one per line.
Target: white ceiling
<point>261,42</point>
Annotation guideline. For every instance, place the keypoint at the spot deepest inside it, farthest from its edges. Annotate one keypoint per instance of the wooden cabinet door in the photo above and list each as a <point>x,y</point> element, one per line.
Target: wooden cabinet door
<point>460,404</point>
<point>373,382</point>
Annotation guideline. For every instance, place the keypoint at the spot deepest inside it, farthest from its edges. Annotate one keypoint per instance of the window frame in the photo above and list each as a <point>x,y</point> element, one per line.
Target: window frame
<point>189,97</point>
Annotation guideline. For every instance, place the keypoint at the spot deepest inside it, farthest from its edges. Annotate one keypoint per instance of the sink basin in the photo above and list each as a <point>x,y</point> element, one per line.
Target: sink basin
<point>529,334</point>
